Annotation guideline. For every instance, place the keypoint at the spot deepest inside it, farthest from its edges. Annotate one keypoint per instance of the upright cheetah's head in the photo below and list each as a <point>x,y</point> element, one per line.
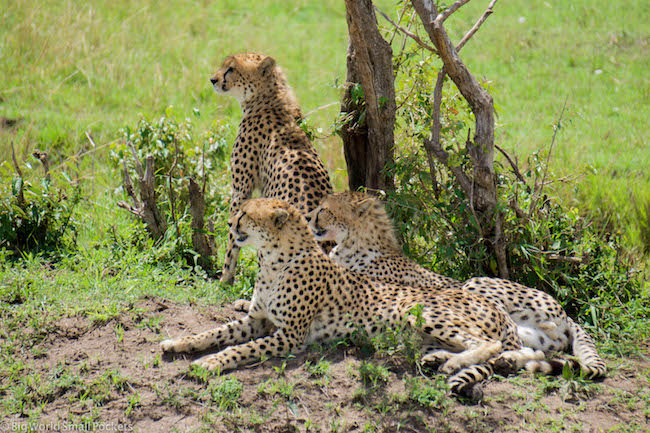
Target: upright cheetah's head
<point>243,75</point>
<point>268,223</point>
<point>348,214</point>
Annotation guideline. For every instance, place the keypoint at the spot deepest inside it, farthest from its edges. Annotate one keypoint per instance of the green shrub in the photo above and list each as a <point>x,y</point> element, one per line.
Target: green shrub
<point>37,216</point>
<point>203,156</point>
<point>179,154</point>
<point>549,245</point>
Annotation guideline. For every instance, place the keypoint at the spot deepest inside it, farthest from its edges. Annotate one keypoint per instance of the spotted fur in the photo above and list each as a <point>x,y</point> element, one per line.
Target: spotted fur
<point>271,153</point>
<point>301,297</point>
<point>366,243</point>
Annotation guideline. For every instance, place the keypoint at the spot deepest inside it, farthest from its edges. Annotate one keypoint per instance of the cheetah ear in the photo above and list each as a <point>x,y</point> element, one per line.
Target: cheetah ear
<point>267,65</point>
<point>279,217</point>
<point>365,205</point>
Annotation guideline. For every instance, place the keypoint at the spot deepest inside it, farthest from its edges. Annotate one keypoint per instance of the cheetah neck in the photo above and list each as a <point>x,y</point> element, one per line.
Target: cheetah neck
<point>278,258</point>
<point>278,96</point>
<point>356,253</point>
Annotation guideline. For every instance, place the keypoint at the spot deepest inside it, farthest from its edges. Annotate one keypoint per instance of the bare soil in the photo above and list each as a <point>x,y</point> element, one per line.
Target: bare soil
<point>158,394</point>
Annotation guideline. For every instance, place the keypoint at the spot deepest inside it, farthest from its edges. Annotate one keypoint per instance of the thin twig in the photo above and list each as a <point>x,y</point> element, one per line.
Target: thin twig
<point>322,107</point>
<point>569,259</point>
<point>399,22</point>
<point>90,139</point>
<point>138,166</point>
<point>513,164</point>
<point>411,35</point>
<point>15,160</point>
<point>478,24</point>
<point>450,10</point>
<point>20,196</point>
<point>408,27</point>
<point>538,191</point>
<point>171,190</point>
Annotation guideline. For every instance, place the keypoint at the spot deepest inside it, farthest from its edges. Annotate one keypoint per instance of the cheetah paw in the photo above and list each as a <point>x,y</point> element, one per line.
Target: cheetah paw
<point>241,305</point>
<point>174,345</point>
<point>437,357</point>
<point>211,363</point>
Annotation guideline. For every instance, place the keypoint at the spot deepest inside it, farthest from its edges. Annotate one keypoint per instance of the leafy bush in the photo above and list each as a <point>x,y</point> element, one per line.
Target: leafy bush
<point>549,246</point>
<point>202,156</point>
<point>178,155</point>
<point>37,216</point>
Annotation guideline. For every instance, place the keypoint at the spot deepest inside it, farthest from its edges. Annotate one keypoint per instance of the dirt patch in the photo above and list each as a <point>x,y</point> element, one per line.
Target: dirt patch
<point>112,376</point>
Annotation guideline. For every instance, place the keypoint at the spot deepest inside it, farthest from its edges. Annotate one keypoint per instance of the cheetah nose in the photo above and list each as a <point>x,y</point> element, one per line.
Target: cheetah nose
<point>213,81</point>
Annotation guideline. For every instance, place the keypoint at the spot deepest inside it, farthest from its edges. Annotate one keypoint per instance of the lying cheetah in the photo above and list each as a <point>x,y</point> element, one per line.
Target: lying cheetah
<point>366,243</point>
<point>301,297</point>
<point>271,153</point>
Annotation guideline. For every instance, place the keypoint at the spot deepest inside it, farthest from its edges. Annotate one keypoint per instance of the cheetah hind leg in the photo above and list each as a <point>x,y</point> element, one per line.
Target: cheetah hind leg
<point>464,383</point>
<point>435,358</point>
<point>511,361</point>
<point>464,348</point>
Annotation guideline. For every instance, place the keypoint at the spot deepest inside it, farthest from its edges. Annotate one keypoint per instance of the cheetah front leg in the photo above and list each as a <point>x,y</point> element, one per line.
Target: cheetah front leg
<point>235,332</point>
<point>242,183</point>
<point>280,343</point>
<point>230,261</point>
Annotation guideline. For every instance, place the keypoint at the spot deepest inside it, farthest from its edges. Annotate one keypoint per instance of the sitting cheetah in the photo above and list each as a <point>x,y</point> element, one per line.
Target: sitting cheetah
<point>301,297</point>
<point>271,152</point>
<point>366,243</point>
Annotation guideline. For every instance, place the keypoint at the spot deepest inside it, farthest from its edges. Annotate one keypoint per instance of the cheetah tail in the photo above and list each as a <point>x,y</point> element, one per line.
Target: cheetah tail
<point>463,383</point>
<point>551,367</point>
<point>584,349</point>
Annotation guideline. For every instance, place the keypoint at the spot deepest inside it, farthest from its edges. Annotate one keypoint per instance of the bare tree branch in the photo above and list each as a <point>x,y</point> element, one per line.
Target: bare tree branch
<point>481,185</point>
<point>450,10</point>
<point>20,197</point>
<point>144,208</point>
<point>138,166</point>
<point>482,150</point>
<point>200,241</point>
<point>513,164</point>
<point>539,187</point>
<point>476,26</point>
<point>411,35</point>
<point>172,200</point>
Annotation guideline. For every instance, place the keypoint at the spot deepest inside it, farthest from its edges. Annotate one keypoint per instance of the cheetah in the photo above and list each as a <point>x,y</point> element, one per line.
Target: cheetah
<point>366,243</point>
<point>301,297</point>
<point>271,153</point>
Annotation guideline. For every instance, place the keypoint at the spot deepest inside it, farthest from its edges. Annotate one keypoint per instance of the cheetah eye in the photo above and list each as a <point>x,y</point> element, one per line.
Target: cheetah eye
<point>227,72</point>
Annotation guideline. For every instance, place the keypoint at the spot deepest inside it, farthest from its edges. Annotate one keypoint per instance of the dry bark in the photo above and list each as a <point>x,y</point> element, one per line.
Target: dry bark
<point>370,63</point>
<point>145,207</point>
<point>200,240</point>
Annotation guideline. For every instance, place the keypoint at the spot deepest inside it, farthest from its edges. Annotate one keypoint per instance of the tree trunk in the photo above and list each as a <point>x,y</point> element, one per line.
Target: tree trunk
<point>480,184</point>
<point>354,130</point>
<point>369,148</point>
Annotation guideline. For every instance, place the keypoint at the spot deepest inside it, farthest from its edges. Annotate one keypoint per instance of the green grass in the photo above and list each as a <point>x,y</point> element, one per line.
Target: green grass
<point>537,55</point>
<point>71,69</point>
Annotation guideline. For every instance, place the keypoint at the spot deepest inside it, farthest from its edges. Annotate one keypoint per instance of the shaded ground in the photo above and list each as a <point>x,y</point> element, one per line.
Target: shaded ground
<point>111,376</point>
